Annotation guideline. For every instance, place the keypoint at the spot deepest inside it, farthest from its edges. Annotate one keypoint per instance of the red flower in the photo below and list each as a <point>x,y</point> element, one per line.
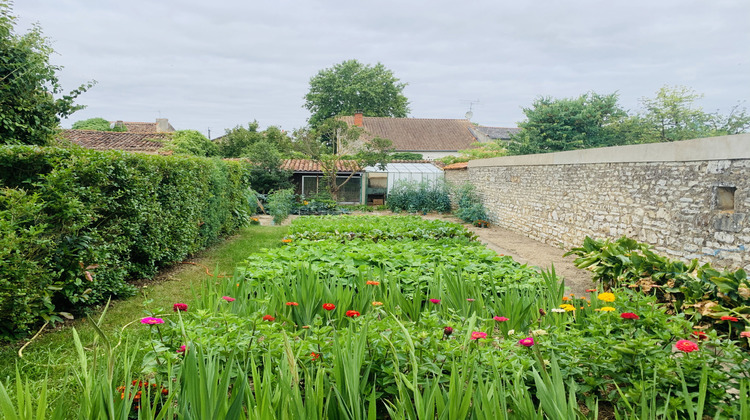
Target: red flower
<point>179,307</point>
<point>292,304</point>
<point>686,346</point>
<point>729,318</point>
<point>476,335</point>
<point>329,306</point>
<point>315,356</point>
<point>435,301</point>
<point>591,290</point>
<point>447,331</point>
<point>500,318</point>
<point>182,349</point>
<point>700,335</point>
<point>352,314</point>
<point>268,318</point>
<point>629,315</point>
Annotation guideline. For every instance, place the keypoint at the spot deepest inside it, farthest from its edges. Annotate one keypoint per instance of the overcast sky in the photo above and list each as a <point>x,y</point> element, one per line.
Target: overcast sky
<point>216,64</point>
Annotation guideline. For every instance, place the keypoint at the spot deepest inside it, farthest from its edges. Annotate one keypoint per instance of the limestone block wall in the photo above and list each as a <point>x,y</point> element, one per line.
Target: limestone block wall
<point>688,199</point>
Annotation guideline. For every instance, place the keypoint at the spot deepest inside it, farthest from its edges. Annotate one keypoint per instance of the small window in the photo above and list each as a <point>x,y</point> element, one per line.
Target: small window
<point>725,198</point>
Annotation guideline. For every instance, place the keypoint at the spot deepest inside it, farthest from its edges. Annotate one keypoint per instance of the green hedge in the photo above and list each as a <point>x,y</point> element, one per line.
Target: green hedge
<point>76,224</point>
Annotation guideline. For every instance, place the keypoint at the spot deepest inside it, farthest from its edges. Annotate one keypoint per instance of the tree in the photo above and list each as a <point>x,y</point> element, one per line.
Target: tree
<point>29,111</point>
<point>673,115</point>
<point>237,140</point>
<point>311,142</point>
<point>97,124</point>
<point>266,174</point>
<point>352,86</point>
<point>554,125</point>
<point>191,142</point>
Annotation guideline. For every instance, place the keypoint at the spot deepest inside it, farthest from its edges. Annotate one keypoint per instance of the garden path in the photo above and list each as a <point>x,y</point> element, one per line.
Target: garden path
<point>529,251</point>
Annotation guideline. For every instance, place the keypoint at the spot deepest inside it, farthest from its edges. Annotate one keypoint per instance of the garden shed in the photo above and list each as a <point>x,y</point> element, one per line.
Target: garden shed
<point>378,181</point>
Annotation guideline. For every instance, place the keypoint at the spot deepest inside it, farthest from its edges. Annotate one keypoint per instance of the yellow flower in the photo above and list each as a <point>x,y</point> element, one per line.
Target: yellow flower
<point>606,309</point>
<point>304,203</point>
<point>568,307</point>
<point>376,303</point>
<point>606,297</point>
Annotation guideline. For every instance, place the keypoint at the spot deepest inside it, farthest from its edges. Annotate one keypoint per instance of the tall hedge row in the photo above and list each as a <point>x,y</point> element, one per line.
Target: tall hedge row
<point>76,225</point>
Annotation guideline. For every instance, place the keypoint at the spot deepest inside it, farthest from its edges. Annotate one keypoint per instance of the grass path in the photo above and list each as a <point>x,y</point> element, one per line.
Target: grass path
<point>49,356</point>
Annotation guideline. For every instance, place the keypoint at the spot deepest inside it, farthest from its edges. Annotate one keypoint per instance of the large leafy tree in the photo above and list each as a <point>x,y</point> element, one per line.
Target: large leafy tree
<point>192,142</point>
<point>555,125</point>
<point>29,111</point>
<point>352,86</point>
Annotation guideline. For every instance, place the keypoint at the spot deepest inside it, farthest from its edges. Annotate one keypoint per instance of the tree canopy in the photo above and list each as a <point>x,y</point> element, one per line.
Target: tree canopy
<point>192,142</point>
<point>96,124</point>
<point>352,86</point>
<point>29,111</point>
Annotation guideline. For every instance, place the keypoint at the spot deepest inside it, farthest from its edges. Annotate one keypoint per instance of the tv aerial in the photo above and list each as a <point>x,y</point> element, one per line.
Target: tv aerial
<point>470,112</point>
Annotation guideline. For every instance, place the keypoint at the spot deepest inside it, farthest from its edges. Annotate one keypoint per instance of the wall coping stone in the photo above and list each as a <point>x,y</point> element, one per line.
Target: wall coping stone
<point>711,148</point>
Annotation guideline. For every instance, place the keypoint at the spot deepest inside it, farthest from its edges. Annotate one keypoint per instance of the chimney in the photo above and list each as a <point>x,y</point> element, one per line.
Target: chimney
<point>358,118</point>
<point>162,125</point>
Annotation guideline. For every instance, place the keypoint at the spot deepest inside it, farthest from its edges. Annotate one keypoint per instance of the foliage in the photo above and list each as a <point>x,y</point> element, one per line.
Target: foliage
<point>406,156</point>
<point>97,124</point>
<point>29,111</point>
<point>700,291</point>
<point>423,197</point>
<point>317,205</point>
<point>343,228</point>
<point>76,224</point>
<point>352,86</point>
<point>265,173</point>
<point>495,148</point>
<point>280,204</point>
<point>192,142</point>
<point>555,125</point>
<point>469,207</point>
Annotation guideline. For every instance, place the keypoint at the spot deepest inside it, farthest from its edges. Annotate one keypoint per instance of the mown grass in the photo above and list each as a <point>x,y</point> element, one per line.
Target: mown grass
<point>50,356</point>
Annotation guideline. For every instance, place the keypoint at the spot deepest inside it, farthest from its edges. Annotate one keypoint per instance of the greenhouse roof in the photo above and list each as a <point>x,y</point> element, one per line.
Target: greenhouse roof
<point>406,168</point>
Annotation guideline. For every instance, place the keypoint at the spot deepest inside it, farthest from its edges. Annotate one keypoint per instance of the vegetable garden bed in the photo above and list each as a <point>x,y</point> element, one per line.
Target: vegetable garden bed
<point>398,317</point>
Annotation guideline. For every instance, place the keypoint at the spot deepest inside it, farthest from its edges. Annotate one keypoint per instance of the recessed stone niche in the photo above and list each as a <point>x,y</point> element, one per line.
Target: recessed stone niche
<point>725,198</point>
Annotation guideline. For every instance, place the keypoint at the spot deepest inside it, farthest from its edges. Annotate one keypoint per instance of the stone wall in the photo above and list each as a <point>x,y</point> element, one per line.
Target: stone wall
<point>689,199</point>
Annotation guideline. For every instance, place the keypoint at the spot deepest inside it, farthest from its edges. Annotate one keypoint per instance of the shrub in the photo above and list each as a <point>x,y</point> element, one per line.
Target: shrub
<point>419,197</point>
<point>76,224</point>
<point>280,204</point>
<point>469,205</point>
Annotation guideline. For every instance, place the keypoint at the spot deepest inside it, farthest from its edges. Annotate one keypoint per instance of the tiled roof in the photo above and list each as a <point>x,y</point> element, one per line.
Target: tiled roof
<point>114,140</point>
<point>456,166</point>
<point>306,165</point>
<point>144,127</point>
<point>418,134</point>
<point>497,133</point>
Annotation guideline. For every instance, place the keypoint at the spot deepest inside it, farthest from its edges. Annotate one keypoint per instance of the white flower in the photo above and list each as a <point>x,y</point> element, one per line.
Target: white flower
<point>539,332</point>
<point>560,310</point>
<point>511,332</point>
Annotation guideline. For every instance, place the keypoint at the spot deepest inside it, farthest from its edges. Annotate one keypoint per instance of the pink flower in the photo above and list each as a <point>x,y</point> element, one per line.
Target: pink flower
<point>526,342</point>
<point>179,307</point>
<point>435,301</point>
<point>470,300</point>
<point>686,346</point>
<point>447,331</point>
<point>228,299</point>
<point>476,335</point>
<point>500,318</point>
<point>629,315</point>
<point>745,334</point>
<point>182,349</point>
<point>151,321</point>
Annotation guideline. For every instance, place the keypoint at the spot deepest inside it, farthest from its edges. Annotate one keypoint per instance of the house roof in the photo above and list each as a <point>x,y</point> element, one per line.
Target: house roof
<point>418,134</point>
<point>456,166</point>
<point>496,133</point>
<point>144,127</point>
<point>114,140</point>
<point>307,165</point>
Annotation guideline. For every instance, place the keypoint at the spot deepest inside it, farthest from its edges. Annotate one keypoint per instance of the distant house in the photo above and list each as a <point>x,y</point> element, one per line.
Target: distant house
<point>161,125</point>
<point>307,178</point>
<point>485,134</point>
<point>432,138</point>
<point>118,140</point>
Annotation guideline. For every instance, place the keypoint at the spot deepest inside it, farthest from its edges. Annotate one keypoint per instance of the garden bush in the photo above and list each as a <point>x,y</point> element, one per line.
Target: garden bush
<point>76,224</point>
<point>422,197</point>
<point>469,207</point>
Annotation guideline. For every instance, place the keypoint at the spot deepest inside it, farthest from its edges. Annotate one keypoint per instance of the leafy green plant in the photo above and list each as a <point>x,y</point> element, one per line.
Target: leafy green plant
<point>280,204</point>
<point>422,197</point>
<point>469,207</point>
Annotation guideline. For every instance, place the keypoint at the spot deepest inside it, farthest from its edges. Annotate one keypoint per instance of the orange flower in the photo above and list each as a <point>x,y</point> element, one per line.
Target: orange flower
<point>292,304</point>
<point>376,303</point>
<point>268,318</point>
<point>286,240</point>
<point>372,283</point>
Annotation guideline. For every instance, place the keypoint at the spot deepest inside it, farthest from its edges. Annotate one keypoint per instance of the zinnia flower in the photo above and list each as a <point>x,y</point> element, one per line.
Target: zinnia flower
<point>329,306</point>
<point>729,318</point>
<point>292,304</point>
<point>376,303</point>
<point>560,309</point>
<point>606,297</point>
<point>606,309</point>
<point>315,356</point>
<point>526,342</point>
<point>352,314</point>
<point>591,290</point>
<point>435,301</point>
<point>447,331</point>
<point>268,318</point>
<point>179,307</point>
<point>542,312</point>
<point>372,283</point>
<point>182,349</point>
<point>700,335</point>
<point>476,335</point>
<point>567,307</point>
<point>228,299</point>
<point>286,240</point>
<point>745,334</point>
<point>151,321</point>
<point>629,315</point>
<point>470,300</point>
<point>686,346</point>
<point>565,298</point>
<point>500,318</point>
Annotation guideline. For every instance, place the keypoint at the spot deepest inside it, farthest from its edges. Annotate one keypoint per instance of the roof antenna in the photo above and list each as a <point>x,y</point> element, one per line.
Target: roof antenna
<point>470,113</point>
